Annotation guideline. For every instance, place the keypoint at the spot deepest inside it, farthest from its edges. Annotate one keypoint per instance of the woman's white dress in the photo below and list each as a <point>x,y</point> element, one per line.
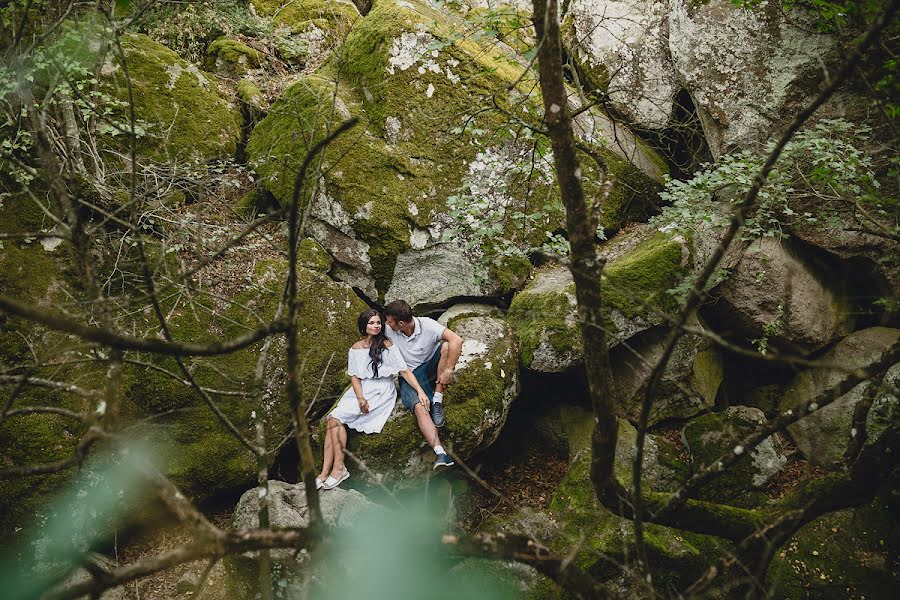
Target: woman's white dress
<point>380,392</point>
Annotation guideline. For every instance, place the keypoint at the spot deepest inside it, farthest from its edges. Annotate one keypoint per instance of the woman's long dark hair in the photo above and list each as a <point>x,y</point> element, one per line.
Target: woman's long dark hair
<point>377,347</point>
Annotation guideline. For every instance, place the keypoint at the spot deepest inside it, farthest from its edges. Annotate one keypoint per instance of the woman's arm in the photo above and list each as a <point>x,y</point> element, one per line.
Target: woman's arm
<point>414,384</point>
<point>357,389</point>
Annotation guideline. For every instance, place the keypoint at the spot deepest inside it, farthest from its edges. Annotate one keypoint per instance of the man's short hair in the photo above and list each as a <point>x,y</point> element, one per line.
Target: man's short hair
<point>399,309</point>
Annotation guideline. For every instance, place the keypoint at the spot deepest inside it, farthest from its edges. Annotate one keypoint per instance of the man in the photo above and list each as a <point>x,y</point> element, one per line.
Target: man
<point>431,351</point>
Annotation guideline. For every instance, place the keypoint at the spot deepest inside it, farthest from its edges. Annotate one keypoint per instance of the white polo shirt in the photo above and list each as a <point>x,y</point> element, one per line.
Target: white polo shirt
<point>417,348</point>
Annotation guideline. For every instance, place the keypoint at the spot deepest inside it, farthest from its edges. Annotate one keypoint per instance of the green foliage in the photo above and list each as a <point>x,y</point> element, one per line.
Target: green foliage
<point>822,169</point>
<point>62,73</point>
<point>189,28</point>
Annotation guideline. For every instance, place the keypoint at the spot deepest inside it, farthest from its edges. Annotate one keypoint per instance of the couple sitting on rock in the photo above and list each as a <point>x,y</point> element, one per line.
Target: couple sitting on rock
<point>422,351</point>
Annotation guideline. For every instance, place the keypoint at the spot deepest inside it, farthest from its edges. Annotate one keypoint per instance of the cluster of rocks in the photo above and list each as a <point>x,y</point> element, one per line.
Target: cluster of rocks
<point>378,230</point>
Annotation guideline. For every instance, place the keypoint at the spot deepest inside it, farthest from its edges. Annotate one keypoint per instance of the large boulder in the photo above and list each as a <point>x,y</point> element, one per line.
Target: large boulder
<point>643,265</point>
<point>846,554</point>
<point>486,382</point>
<point>778,298</point>
<point>622,47</point>
<point>38,273</point>
<point>179,106</point>
<point>287,508</point>
<point>745,67</point>
<point>715,435</point>
<point>822,436</point>
<point>604,538</point>
<point>690,382</point>
<point>381,208</point>
<point>203,457</point>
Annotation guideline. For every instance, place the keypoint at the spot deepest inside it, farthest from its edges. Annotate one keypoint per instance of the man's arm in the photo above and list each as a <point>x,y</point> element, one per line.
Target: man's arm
<point>454,349</point>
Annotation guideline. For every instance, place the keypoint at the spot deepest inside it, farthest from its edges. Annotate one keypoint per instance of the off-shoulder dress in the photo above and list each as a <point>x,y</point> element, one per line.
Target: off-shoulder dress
<point>380,392</point>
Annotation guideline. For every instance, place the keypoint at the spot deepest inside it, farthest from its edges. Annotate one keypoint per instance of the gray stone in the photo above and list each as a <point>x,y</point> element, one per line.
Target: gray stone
<point>288,507</point>
<point>432,275</point>
<point>467,309</point>
<point>485,383</point>
<point>689,384</point>
<point>744,67</point>
<point>774,293</point>
<point>622,47</point>
<point>822,436</point>
<point>715,435</point>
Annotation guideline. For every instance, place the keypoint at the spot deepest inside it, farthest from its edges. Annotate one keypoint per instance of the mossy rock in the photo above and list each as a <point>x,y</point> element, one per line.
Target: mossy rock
<point>413,83</point>
<point>296,14</point>
<point>640,271</point>
<point>688,386</point>
<point>232,57</point>
<point>486,382</point>
<point>37,274</point>
<point>203,457</point>
<point>250,94</point>
<point>185,116</point>
<point>312,255</point>
<point>712,436</point>
<point>676,557</point>
<point>847,554</point>
<point>822,436</point>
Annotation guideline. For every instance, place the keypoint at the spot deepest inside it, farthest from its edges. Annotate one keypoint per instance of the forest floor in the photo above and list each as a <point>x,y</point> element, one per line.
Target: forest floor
<point>505,482</point>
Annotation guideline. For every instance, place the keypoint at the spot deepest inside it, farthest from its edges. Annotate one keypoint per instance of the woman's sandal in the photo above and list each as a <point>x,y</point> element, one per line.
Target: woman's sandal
<point>319,483</point>
<point>332,483</point>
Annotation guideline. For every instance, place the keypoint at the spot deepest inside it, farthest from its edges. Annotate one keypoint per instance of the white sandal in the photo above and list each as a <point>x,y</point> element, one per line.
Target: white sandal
<point>319,483</point>
<point>332,483</point>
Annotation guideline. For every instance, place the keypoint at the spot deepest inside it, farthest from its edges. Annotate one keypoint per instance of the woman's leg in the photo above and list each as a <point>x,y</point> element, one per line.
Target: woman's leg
<point>328,457</point>
<point>338,441</point>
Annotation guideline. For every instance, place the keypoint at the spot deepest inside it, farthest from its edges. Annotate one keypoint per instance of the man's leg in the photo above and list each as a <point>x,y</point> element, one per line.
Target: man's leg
<point>426,426</point>
<point>429,431</point>
<point>434,365</point>
<point>442,364</point>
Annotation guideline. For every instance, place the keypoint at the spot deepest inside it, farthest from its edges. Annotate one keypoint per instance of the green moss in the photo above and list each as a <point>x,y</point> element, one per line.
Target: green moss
<point>204,457</point>
<point>676,557</point>
<point>186,117</point>
<point>249,93</point>
<point>846,554</point>
<point>341,14</point>
<point>536,317</point>
<point>510,273</point>
<point>644,275</point>
<point>235,56</point>
<point>313,256</point>
<point>709,372</point>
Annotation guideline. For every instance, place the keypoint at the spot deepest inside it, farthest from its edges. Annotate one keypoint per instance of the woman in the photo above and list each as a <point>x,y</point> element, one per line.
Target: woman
<point>366,406</point>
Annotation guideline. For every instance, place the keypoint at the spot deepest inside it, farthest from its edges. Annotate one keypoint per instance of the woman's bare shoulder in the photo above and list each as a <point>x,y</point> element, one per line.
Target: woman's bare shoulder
<point>388,343</point>
<point>360,345</point>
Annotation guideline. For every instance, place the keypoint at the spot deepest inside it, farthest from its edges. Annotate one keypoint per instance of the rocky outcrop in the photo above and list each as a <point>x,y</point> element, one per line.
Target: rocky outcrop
<point>643,265</point>
<point>676,557</point>
<point>744,67</point>
<point>288,508</point>
<point>621,47</point>
<point>381,207</point>
<point>822,436</point>
<point>711,436</point>
<point>688,386</point>
<point>486,382</point>
<point>778,299</point>
<point>848,553</point>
